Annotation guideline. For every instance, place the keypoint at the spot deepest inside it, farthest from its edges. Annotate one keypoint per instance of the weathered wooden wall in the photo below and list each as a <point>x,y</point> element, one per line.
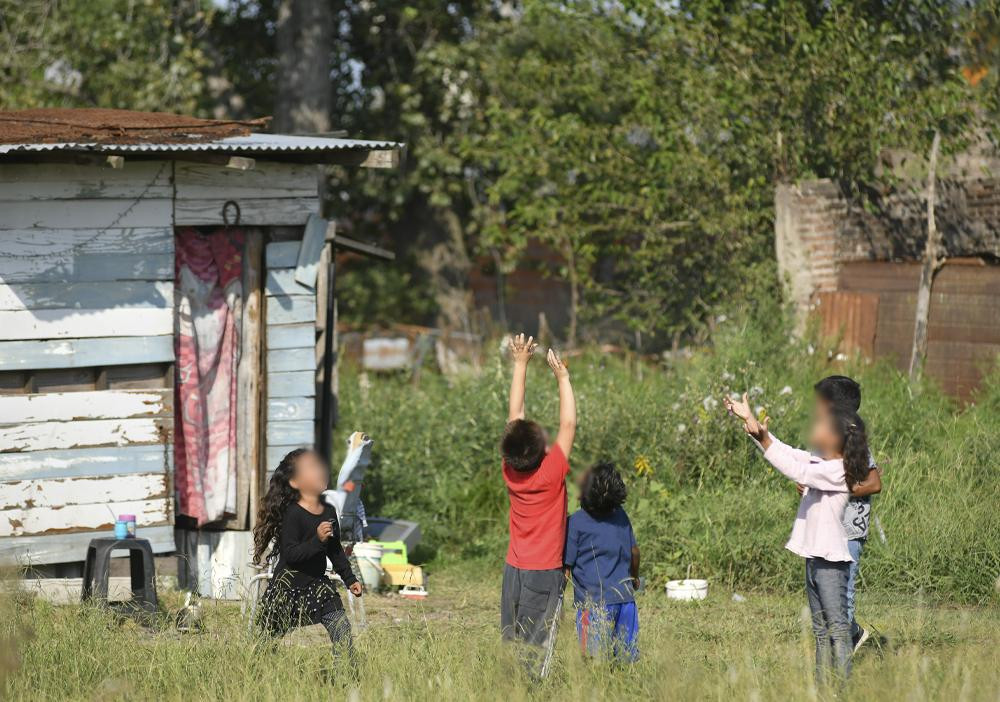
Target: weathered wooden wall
<point>87,339</point>
<point>86,343</point>
<point>963,336</point>
<point>290,357</point>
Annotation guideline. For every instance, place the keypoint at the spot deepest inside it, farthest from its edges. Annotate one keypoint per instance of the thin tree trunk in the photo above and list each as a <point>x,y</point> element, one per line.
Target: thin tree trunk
<point>932,263</point>
<point>574,295</point>
<point>305,45</point>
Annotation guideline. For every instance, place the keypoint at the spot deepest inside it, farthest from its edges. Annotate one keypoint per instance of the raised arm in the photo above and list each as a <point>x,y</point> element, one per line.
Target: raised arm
<point>567,403</point>
<point>520,351</point>
<point>821,475</point>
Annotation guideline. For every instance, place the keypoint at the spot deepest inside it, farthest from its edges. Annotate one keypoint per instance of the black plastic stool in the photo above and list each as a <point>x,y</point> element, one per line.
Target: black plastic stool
<point>96,571</point>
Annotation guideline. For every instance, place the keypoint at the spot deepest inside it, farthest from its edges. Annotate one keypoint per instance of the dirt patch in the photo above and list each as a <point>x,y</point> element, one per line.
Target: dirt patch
<point>104,126</point>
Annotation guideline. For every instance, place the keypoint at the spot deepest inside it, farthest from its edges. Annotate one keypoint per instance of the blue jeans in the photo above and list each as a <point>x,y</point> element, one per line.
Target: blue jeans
<point>855,546</point>
<point>826,590</point>
<point>609,631</point>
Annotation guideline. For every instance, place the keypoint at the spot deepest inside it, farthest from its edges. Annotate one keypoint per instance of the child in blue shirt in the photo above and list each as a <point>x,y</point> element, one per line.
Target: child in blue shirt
<point>603,560</point>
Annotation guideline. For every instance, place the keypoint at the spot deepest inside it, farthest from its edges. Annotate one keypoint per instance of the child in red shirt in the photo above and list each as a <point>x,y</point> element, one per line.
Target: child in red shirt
<point>535,475</point>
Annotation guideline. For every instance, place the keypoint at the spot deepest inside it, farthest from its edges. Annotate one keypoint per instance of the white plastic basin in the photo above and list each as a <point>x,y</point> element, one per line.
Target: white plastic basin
<point>689,589</point>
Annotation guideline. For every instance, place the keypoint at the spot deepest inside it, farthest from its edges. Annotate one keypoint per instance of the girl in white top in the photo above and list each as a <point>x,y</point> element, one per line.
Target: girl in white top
<point>818,533</point>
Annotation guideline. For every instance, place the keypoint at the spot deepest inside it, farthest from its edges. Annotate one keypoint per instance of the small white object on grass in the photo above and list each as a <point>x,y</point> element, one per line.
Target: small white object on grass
<point>737,597</point>
<point>687,589</point>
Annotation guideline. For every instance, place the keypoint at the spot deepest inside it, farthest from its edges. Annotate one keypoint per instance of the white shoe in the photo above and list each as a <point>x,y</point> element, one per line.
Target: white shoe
<point>861,639</point>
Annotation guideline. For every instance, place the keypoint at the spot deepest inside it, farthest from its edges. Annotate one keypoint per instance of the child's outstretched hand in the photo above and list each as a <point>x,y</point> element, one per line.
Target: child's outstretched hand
<point>558,366</point>
<point>520,349</point>
<point>741,408</point>
<point>355,589</point>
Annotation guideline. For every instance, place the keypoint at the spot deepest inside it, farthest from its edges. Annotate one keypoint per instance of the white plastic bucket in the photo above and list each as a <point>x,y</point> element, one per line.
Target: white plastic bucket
<point>687,589</point>
<point>369,557</point>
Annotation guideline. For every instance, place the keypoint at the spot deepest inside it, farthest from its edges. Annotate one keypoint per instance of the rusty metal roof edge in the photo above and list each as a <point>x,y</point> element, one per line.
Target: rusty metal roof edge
<point>254,143</point>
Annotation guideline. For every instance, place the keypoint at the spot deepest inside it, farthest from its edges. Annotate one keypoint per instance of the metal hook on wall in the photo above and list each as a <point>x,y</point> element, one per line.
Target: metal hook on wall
<point>225,213</point>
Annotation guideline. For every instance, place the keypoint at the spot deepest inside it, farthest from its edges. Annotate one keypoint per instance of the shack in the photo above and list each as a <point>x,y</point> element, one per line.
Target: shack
<point>853,259</point>
<point>166,323</point>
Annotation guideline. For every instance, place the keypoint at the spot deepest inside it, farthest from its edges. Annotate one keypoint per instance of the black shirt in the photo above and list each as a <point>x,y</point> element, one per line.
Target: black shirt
<point>303,555</point>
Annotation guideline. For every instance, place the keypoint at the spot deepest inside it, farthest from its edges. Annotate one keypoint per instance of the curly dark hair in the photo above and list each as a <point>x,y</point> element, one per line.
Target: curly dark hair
<point>854,437</point>
<point>280,494</point>
<point>603,490</point>
<point>523,445</point>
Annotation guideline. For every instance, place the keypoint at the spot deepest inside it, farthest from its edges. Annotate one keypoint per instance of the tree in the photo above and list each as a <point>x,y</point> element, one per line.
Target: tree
<point>305,44</point>
<point>142,55</point>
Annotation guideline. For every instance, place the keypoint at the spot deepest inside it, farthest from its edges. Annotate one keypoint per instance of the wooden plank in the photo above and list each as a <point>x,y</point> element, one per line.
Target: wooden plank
<point>83,462</point>
<point>92,295</point>
<point>282,254</point>
<point>290,309</point>
<point>287,408</point>
<point>297,432</point>
<point>42,436</point>
<point>87,214</point>
<point>294,384</point>
<point>284,336</point>
<point>59,492</point>
<point>67,181</point>
<point>146,376</point>
<point>67,548</point>
<point>248,373</point>
<point>276,453</point>
<point>30,521</point>
<point>99,267</point>
<point>75,255</point>
<point>70,323</point>
<point>281,281</point>
<point>260,212</point>
<point>280,360</point>
<point>268,179</point>
<point>313,240</point>
<point>97,404</point>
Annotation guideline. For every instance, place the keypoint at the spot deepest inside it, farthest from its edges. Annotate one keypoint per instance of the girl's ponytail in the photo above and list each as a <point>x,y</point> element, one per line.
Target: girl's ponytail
<point>857,457</point>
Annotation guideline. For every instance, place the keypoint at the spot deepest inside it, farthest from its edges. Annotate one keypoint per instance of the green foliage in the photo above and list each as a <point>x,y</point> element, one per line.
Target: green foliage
<point>642,141</point>
<point>700,496</point>
<point>142,55</point>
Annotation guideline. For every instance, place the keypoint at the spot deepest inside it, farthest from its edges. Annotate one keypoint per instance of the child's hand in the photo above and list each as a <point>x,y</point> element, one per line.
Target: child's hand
<point>324,530</point>
<point>521,350</point>
<point>355,589</point>
<point>741,408</point>
<point>559,368</point>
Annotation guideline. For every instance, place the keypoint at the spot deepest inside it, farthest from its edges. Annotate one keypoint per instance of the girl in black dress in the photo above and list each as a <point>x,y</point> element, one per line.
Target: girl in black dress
<point>302,531</point>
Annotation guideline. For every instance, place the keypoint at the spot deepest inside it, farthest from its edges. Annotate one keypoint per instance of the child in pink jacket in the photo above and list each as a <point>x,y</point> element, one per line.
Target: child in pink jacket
<point>841,460</point>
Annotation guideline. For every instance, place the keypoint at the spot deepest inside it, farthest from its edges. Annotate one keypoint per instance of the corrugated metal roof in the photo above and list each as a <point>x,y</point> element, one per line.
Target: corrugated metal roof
<point>252,143</point>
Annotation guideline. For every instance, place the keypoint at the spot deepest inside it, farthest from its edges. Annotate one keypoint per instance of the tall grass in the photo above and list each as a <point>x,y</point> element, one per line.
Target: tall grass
<point>448,648</point>
<point>700,495</point>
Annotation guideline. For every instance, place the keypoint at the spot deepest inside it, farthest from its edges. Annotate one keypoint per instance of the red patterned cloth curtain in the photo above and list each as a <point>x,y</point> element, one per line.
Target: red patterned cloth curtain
<point>209,309</point>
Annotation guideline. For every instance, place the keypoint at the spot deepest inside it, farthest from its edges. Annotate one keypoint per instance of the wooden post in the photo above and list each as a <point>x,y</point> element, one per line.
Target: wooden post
<point>933,260</point>
<point>323,442</point>
<point>249,390</point>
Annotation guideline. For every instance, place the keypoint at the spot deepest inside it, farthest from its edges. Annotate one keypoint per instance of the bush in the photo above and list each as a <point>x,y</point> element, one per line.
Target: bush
<point>699,495</point>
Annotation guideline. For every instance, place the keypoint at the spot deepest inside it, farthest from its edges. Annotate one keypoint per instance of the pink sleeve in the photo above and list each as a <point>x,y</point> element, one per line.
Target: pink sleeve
<point>799,466</point>
<point>799,454</point>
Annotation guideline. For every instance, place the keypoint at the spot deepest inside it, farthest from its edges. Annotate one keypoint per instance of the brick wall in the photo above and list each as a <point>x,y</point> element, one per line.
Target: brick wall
<point>854,262</point>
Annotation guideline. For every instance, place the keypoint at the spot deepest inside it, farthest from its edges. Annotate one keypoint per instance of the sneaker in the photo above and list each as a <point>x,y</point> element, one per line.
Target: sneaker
<point>861,639</point>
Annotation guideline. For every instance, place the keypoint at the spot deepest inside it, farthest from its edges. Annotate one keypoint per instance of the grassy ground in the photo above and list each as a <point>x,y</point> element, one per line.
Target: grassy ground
<point>447,648</point>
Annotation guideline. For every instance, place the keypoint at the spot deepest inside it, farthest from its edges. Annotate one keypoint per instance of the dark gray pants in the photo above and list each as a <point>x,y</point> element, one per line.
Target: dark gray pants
<point>826,589</point>
<point>530,603</point>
